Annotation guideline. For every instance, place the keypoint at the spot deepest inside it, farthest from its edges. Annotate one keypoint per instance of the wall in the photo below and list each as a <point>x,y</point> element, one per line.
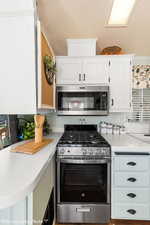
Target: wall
<point>57,122</point>
<point>88,18</point>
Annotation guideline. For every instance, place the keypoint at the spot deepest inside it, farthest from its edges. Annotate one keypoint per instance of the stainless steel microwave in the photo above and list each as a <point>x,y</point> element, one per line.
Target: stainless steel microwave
<point>82,100</point>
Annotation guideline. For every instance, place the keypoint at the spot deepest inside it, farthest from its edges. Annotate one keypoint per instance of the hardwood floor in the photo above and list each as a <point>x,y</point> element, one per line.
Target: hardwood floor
<point>117,222</point>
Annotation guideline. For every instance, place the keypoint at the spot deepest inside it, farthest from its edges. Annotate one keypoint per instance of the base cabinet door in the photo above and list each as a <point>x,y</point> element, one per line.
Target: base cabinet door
<point>38,200</point>
<point>15,215</point>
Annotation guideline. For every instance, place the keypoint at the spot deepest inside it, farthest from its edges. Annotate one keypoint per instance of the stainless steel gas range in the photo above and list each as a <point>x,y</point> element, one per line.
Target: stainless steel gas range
<point>83,176</point>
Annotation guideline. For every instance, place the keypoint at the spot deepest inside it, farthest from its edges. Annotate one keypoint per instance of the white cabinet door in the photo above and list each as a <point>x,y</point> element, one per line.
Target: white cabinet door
<point>17,65</point>
<point>38,200</point>
<point>120,83</point>
<point>96,70</point>
<point>15,215</point>
<point>69,70</point>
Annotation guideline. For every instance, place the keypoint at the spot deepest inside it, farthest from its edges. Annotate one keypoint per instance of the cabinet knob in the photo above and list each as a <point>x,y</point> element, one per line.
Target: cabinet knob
<point>131,179</point>
<point>131,195</point>
<point>131,211</point>
<point>79,76</point>
<point>84,77</point>
<point>112,102</point>
<point>131,163</point>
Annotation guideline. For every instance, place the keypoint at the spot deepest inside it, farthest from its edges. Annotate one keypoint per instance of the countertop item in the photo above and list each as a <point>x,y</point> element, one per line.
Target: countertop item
<point>126,142</point>
<point>31,147</point>
<point>20,173</point>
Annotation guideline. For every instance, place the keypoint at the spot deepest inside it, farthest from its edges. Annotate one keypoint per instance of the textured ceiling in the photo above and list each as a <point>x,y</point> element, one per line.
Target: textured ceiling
<point>63,19</point>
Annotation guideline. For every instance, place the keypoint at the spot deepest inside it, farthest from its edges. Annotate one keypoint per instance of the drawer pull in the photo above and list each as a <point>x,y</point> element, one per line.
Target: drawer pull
<point>131,164</point>
<point>131,195</point>
<point>131,179</point>
<point>83,210</point>
<point>131,211</point>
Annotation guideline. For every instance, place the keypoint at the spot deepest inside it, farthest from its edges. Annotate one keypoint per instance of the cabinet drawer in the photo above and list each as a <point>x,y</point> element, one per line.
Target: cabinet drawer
<point>131,195</point>
<point>131,179</point>
<point>128,211</point>
<point>131,163</point>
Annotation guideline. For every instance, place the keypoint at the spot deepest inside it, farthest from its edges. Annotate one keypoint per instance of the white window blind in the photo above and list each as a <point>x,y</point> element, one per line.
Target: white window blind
<point>141,104</point>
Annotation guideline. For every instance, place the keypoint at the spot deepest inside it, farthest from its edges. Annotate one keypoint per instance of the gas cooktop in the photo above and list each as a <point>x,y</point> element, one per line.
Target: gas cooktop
<point>82,140</point>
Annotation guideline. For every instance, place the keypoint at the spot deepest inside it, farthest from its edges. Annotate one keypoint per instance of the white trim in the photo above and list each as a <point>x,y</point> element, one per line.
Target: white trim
<point>39,64</point>
<point>51,50</point>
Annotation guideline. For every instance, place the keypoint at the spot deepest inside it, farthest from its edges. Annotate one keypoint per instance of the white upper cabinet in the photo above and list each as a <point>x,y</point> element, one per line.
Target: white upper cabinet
<point>17,65</point>
<point>69,70</point>
<point>23,85</point>
<point>120,83</point>
<point>82,70</point>
<point>95,70</point>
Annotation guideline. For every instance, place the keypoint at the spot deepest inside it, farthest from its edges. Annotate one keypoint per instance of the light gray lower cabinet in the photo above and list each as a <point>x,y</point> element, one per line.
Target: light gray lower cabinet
<point>130,193</point>
<point>14,215</point>
<point>31,210</point>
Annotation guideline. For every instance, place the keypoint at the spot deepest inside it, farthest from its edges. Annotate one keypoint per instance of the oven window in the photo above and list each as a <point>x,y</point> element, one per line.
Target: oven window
<point>82,101</point>
<point>83,183</point>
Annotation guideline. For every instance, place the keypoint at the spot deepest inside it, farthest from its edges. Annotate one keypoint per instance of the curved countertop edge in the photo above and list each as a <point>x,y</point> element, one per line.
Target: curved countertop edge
<point>12,199</point>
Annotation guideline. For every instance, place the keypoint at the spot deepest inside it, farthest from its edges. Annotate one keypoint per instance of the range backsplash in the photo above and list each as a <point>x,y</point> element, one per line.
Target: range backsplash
<point>57,122</point>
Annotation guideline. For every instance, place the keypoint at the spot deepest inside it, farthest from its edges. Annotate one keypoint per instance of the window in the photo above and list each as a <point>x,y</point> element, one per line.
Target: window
<point>141,104</point>
<point>120,13</point>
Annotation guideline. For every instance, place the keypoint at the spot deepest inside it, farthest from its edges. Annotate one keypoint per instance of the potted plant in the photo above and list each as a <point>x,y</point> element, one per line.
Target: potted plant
<point>50,68</point>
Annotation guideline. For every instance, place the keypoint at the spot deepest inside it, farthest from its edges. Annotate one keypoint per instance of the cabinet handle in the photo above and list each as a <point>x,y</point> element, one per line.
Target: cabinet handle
<point>131,164</point>
<point>84,77</point>
<point>131,195</point>
<point>131,179</point>
<point>131,211</point>
<point>112,102</point>
<point>79,76</point>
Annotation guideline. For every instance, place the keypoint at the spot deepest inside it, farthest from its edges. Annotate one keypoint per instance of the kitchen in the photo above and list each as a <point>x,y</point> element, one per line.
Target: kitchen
<point>95,168</point>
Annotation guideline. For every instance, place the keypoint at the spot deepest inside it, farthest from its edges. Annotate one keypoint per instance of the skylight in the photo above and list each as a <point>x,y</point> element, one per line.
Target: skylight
<point>120,13</point>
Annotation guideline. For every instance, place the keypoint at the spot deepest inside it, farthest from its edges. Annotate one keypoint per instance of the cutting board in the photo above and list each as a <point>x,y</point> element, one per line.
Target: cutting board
<point>31,147</point>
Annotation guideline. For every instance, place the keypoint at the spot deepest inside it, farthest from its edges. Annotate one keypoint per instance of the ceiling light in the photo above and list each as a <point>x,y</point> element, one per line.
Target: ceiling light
<point>120,13</point>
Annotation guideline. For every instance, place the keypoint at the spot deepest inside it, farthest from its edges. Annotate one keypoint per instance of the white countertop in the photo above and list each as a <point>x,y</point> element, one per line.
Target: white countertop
<point>20,173</point>
<point>127,142</point>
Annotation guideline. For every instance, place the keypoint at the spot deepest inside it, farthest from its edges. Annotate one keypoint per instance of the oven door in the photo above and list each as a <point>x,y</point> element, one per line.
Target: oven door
<point>83,181</point>
<point>82,100</point>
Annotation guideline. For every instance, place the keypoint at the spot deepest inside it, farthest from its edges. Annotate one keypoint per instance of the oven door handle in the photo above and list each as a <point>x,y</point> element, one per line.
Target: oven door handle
<point>85,161</point>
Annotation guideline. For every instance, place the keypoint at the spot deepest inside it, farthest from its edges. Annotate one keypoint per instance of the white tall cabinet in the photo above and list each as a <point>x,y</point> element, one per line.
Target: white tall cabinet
<point>20,69</point>
<point>120,82</point>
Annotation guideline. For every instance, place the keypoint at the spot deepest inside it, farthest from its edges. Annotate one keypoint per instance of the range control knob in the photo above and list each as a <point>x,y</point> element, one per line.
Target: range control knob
<point>62,151</point>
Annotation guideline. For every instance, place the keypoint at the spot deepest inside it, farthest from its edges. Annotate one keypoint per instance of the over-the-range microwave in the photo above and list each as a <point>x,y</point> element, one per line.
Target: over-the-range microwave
<point>82,100</point>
